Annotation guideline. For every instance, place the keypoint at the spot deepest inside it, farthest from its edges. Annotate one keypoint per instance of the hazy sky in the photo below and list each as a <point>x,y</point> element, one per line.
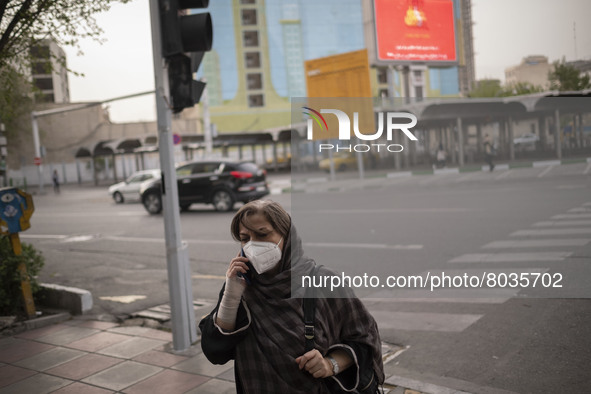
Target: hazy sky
<point>504,31</point>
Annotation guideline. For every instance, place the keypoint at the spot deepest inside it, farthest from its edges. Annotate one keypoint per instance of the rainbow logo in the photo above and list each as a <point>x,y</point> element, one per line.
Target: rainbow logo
<point>316,116</point>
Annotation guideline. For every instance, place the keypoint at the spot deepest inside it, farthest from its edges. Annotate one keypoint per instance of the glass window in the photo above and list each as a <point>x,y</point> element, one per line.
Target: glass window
<point>251,38</point>
<point>44,83</point>
<point>254,81</point>
<point>247,1</point>
<point>249,17</point>
<point>256,100</point>
<point>382,75</point>
<point>253,59</point>
<point>184,170</point>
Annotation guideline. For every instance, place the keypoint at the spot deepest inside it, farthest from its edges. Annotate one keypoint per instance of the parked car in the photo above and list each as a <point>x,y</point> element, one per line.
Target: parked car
<point>218,182</point>
<point>526,141</point>
<point>130,188</point>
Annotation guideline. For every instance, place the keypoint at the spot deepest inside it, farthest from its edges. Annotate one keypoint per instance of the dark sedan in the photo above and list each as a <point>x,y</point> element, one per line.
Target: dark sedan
<point>218,182</point>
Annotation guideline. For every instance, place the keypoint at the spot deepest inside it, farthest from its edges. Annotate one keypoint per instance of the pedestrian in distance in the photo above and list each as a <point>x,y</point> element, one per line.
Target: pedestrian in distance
<point>489,152</point>
<point>441,156</point>
<point>56,182</point>
<point>262,323</point>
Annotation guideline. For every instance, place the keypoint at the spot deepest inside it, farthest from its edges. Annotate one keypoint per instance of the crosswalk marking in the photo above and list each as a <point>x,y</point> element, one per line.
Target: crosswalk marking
<point>572,216</point>
<point>580,209</point>
<point>536,243</point>
<point>554,231</point>
<point>509,257</point>
<point>441,322</point>
<point>563,223</point>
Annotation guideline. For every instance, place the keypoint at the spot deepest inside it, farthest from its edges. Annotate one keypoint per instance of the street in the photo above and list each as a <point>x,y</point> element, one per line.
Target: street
<point>525,220</point>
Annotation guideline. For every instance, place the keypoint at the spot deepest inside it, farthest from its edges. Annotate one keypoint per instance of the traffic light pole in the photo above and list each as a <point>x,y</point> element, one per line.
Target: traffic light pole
<point>184,331</point>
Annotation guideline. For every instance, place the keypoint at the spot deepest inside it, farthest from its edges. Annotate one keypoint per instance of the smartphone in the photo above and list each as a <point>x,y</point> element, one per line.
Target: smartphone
<point>247,275</point>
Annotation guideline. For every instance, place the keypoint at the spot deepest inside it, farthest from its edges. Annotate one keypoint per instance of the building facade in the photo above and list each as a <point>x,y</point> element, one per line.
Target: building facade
<point>533,69</point>
<point>257,62</point>
<point>49,73</point>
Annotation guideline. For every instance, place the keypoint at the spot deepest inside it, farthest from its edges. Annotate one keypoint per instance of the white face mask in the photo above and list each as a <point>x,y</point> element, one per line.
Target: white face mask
<point>262,255</point>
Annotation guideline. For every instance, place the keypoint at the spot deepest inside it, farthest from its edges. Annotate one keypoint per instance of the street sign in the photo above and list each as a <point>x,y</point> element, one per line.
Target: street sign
<point>37,161</point>
<point>176,139</point>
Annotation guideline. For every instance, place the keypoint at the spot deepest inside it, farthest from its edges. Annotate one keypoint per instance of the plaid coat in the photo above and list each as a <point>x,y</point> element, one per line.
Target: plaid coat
<point>269,333</point>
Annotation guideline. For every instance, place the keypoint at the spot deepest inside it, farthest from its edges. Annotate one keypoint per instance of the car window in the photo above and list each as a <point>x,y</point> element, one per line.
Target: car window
<point>145,177</point>
<point>248,167</point>
<point>207,167</point>
<point>134,179</point>
<point>184,170</point>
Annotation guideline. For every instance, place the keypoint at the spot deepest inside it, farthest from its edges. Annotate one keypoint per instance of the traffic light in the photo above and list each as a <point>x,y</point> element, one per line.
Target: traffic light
<point>185,39</point>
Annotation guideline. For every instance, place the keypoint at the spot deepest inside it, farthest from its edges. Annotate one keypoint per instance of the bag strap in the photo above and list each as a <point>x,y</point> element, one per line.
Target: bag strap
<point>309,306</point>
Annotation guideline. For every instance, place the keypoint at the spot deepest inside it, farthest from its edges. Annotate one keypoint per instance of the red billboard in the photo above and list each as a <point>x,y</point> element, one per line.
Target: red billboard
<point>421,31</point>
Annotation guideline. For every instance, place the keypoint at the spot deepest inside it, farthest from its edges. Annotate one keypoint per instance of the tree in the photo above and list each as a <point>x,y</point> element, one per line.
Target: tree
<point>493,88</point>
<point>25,23</point>
<point>565,77</point>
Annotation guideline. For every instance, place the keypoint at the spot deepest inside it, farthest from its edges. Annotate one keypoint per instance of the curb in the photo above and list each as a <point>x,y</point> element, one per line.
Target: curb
<point>282,189</point>
<point>74,300</point>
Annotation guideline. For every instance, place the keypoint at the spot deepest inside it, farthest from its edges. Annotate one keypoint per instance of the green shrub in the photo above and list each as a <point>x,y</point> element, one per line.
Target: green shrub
<point>11,299</point>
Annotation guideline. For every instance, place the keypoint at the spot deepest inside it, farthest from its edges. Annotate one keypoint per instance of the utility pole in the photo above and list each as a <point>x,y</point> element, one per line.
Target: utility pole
<point>173,35</point>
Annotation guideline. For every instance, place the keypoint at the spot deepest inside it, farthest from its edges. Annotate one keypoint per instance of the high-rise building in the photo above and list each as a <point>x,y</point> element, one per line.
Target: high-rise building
<point>49,72</point>
<point>260,46</point>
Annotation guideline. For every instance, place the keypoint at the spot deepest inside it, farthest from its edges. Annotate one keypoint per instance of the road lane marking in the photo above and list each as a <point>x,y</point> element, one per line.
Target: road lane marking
<point>554,231</point>
<point>572,216</point>
<point>536,243</point>
<point>415,321</point>
<point>43,236</point>
<point>563,223</point>
<point>580,209</point>
<point>504,174</point>
<point>361,246</point>
<point>509,257</point>
<point>395,210</point>
<point>546,170</point>
<point>127,299</point>
<point>587,170</point>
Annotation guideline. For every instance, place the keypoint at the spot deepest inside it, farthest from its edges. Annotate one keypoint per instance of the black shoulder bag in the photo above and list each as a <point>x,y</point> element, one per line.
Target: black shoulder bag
<point>371,386</point>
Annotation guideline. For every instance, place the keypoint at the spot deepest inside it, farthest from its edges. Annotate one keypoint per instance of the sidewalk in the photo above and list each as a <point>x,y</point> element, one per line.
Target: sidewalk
<point>318,182</point>
<point>81,356</point>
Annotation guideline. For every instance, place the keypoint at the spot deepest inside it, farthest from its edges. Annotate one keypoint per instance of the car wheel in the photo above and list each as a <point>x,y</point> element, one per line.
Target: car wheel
<point>153,203</point>
<point>342,167</point>
<point>222,201</point>
<point>118,197</point>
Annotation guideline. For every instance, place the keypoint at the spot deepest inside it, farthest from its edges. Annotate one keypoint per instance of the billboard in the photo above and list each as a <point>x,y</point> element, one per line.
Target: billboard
<point>415,31</point>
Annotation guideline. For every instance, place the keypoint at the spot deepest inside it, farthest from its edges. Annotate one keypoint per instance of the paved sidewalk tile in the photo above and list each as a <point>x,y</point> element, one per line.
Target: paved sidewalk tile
<point>214,386</point>
<point>84,366</point>
<point>99,325</point>
<point>130,330</point>
<point>37,384</point>
<point>20,349</point>
<point>81,388</point>
<point>131,348</point>
<point>67,335</point>
<point>228,375</point>
<point>34,334</point>
<point>169,382</point>
<point>158,334</point>
<point>49,359</point>
<point>122,375</point>
<point>10,374</point>
<point>199,364</point>
<point>161,359</point>
<point>98,341</point>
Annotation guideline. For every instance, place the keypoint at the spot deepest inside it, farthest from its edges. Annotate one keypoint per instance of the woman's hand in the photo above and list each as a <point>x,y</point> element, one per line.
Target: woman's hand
<point>237,264</point>
<point>235,286</point>
<point>315,364</point>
